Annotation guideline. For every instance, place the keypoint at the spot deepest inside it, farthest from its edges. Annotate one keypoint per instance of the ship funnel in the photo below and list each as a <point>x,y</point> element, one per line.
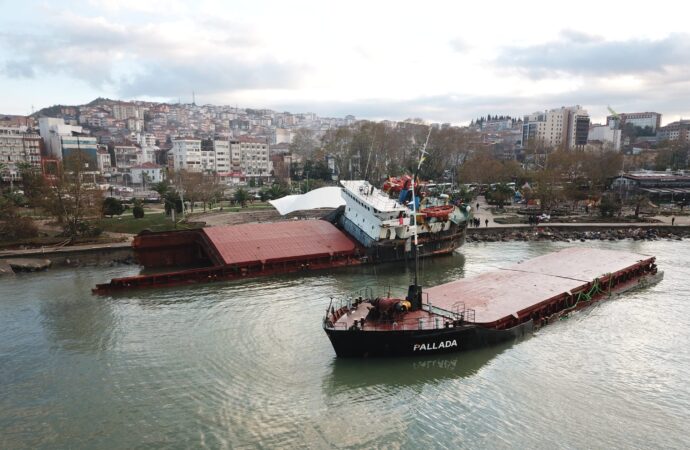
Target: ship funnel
<point>414,296</point>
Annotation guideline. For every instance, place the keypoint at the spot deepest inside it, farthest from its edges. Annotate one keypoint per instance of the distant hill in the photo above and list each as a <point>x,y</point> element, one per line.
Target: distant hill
<point>100,101</point>
<point>50,111</point>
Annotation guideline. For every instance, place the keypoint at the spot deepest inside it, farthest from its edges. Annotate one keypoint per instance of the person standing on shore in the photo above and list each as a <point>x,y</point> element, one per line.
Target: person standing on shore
<point>486,221</point>
<point>673,220</point>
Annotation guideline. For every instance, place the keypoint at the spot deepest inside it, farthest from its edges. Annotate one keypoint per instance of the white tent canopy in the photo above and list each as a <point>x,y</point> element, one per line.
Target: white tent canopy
<point>325,197</point>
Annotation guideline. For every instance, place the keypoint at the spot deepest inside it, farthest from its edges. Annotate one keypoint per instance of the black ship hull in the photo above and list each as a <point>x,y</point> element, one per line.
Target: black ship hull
<point>358,343</point>
<point>430,244</point>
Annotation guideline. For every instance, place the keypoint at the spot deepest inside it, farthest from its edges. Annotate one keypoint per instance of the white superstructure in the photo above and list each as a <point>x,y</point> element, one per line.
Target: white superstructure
<point>381,217</point>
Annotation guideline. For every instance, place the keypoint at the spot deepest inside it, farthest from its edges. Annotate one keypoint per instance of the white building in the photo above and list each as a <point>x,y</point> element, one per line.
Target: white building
<point>604,134</point>
<point>222,150</point>
<point>18,146</point>
<point>104,162</point>
<point>153,173</point>
<point>186,154</point>
<point>52,130</point>
<point>254,161</point>
<point>565,127</point>
<point>283,136</point>
<point>123,111</point>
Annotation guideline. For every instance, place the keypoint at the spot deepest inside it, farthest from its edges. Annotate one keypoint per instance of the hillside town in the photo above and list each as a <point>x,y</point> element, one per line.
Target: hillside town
<point>129,143</point>
<point>185,156</point>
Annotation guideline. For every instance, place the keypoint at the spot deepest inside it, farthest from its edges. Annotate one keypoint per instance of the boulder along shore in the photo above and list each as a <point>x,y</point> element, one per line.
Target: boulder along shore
<point>571,234</point>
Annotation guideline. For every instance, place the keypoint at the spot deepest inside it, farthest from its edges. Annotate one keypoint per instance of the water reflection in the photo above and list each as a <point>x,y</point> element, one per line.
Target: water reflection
<point>347,373</point>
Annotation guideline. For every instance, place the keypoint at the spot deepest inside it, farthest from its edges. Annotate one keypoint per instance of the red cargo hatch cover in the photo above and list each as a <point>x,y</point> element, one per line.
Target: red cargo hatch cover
<point>279,241</point>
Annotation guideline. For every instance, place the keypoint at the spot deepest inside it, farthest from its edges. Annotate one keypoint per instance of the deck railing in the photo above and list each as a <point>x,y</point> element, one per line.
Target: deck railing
<point>438,317</point>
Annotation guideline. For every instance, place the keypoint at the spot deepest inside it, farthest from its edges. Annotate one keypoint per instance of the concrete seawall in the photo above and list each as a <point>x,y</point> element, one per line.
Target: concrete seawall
<point>78,255</point>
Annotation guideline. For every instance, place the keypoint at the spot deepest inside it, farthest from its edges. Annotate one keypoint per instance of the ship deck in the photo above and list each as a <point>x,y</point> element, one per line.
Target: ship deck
<point>531,290</point>
<point>513,290</point>
<point>279,241</point>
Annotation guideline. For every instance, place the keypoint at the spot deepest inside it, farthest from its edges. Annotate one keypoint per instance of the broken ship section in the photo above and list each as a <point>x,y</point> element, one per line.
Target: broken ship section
<point>486,309</point>
<point>235,252</point>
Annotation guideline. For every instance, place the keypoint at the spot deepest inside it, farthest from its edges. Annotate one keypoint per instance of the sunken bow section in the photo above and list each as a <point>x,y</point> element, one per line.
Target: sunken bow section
<point>483,310</point>
<point>238,251</point>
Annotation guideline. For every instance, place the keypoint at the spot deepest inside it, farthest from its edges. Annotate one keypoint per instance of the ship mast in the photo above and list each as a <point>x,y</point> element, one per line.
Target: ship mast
<point>414,213</point>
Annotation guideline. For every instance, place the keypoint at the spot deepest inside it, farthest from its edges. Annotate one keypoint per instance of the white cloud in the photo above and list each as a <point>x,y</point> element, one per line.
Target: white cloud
<point>452,60</point>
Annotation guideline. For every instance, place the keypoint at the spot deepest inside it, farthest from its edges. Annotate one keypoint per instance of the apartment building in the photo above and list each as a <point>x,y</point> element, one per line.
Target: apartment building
<point>565,127</point>
<point>675,131</point>
<point>186,154</point>
<point>18,146</point>
<point>254,160</point>
<point>127,156</point>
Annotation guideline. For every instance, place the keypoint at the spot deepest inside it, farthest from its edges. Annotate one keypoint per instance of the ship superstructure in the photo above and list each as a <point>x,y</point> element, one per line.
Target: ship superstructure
<point>385,226</point>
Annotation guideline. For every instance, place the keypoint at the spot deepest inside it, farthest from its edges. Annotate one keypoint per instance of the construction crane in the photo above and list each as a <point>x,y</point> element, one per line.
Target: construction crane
<point>615,116</point>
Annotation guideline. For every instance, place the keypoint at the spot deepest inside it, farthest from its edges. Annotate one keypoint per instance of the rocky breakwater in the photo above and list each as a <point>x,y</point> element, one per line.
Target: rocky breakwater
<point>575,234</point>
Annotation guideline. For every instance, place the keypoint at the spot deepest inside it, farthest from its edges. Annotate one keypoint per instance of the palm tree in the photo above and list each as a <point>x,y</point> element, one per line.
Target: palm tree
<point>276,191</point>
<point>241,196</point>
<point>161,188</point>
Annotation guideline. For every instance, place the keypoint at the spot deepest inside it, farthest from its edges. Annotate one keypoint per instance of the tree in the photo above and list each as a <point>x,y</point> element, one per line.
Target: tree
<point>72,200</point>
<point>547,189</point>
<point>500,194</point>
<point>209,190</point>
<point>12,225</point>
<point>241,197</point>
<point>161,188</point>
<point>672,155</point>
<point>172,202</point>
<point>276,191</point>
<point>112,207</point>
<point>303,143</point>
<point>609,205</point>
<point>138,210</point>
<point>191,186</point>
<point>145,178</point>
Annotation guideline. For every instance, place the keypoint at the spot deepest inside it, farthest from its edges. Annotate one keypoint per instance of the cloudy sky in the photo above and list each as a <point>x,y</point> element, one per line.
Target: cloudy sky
<point>440,61</point>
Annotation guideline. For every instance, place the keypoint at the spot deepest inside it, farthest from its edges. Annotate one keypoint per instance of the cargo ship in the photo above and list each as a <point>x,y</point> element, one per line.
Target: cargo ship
<point>366,227</point>
<point>484,310</point>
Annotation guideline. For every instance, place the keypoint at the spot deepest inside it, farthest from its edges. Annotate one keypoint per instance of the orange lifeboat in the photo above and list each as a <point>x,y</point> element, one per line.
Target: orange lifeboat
<point>395,185</point>
<point>438,212</point>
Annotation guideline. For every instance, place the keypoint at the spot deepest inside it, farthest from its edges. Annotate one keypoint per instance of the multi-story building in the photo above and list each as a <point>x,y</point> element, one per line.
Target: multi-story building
<point>533,129</point>
<point>601,135</point>
<point>675,131</point>
<point>127,156</point>
<point>84,145</point>
<point>123,111</point>
<point>186,153</point>
<point>103,160</point>
<point>223,152</point>
<point>565,127</point>
<point>51,130</point>
<point>642,120</point>
<point>578,128</point>
<point>254,158</point>
<point>18,146</point>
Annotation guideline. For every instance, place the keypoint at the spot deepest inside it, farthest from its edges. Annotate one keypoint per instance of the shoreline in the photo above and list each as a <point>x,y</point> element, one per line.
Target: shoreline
<point>122,252</point>
<point>578,232</point>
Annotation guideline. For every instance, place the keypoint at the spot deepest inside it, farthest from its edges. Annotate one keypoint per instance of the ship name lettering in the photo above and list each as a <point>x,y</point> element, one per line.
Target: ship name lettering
<point>435,345</point>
